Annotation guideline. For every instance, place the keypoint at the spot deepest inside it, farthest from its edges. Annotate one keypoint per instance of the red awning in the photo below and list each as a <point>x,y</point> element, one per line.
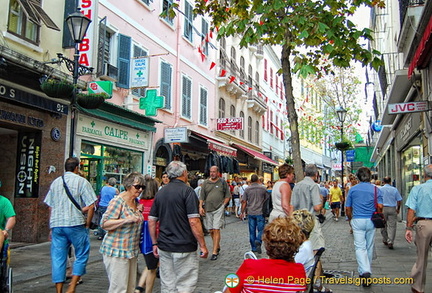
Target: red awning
<point>423,53</point>
<point>217,145</point>
<point>256,155</point>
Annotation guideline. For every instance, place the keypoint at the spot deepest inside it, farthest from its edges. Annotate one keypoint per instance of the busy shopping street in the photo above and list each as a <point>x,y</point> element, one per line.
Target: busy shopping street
<point>391,268</point>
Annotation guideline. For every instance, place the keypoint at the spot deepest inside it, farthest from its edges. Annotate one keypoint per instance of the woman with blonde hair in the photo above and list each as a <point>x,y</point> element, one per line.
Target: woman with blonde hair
<point>282,239</point>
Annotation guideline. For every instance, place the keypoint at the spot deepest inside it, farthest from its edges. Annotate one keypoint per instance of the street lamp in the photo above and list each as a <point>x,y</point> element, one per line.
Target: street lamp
<point>78,24</point>
<point>341,113</point>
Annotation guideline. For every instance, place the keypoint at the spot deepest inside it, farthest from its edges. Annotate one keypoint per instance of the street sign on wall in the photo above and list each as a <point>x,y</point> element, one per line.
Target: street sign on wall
<point>410,107</point>
<point>230,123</point>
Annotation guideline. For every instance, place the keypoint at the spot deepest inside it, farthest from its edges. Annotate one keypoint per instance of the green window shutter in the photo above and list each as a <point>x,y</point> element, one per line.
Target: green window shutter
<point>124,57</point>
<point>203,106</point>
<point>165,87</point>
<point>188,21</point>
<point>186,97</point>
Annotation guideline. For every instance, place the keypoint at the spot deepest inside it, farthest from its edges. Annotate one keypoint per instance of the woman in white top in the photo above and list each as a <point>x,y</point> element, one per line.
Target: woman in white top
<point>281,193</point>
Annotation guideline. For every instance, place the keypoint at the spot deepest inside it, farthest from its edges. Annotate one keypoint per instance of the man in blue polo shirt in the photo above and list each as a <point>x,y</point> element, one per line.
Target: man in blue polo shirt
<point>391,201</point>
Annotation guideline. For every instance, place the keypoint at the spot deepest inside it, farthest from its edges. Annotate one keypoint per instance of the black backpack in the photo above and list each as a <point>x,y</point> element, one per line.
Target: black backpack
<point>267,206</point>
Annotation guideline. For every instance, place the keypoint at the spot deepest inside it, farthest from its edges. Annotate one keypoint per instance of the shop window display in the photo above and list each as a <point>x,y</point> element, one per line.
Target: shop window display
<point>100,162</point>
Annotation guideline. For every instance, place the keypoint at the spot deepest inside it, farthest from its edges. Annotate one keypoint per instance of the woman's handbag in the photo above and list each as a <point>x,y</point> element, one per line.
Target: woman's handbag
<point>377,217</point>
<point>146,245</point>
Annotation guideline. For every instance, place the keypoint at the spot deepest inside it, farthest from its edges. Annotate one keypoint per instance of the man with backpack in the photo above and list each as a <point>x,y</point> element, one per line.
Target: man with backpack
<point>214,196</point>
<point>253,200</point>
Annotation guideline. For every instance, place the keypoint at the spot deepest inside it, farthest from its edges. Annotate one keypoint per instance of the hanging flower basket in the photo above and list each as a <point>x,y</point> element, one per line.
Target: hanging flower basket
<point>57,88</point>
<point>343,146</point>
<point>91,101</point>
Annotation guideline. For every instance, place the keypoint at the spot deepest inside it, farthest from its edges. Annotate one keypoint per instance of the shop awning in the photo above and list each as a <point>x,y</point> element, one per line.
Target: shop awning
<point>423,53</point>
<point>256,155</point>
<point>217,145</point>
<point>117,114</point>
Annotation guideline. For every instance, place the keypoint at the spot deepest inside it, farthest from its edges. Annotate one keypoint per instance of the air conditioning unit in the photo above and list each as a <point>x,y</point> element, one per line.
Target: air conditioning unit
<point>109,72</point>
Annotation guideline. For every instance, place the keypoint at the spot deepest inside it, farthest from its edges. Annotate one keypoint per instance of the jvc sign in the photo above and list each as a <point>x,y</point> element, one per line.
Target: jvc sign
<point>408,107</point>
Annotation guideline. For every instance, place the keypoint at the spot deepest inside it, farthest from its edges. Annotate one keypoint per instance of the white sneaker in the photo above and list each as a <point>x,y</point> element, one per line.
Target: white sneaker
<point>336,219</point>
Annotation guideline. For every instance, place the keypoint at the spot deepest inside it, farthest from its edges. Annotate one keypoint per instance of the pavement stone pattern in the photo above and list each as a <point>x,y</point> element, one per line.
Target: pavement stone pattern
<point>32,267</point>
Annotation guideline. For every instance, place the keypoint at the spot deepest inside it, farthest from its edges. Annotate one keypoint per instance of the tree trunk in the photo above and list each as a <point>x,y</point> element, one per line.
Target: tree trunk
<point>292,114</point>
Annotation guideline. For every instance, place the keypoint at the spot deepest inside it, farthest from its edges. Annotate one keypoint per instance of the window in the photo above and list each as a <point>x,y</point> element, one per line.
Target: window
<point>166,83</point>
<point>250,80</point>
<point>232,114</point>
<point>257,128</point>
<point>23,22</point>
<point>249,128</point>
<point>271,77</point>
<point>166,4</point>
<point>104,48</point>
<point>139,52</point>
<point>186,96</point>
<point>221,108</point>
<point>257,79</point>
<point>271,122</point>
<point>233,60</point>
<point>147,2</point>
<point>188,21</point>
<point>232,111</point>
<point>204,39</point>
<point>124,55</point>
<point>242,68</point>
<point>265,70</point>
<point>242,130</point>
<point>222,52</point>
<point>203,106</point>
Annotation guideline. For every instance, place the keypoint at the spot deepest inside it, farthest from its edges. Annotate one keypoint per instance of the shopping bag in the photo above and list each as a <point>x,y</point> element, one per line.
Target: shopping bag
<point>146,246</point>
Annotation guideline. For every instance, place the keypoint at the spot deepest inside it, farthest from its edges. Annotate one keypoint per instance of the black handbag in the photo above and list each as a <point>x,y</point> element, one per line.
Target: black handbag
<point>377,217</point>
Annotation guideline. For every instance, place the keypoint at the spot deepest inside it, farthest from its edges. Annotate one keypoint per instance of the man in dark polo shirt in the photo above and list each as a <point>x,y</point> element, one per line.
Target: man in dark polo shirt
<point>176,209</point>
<point>252,201</point>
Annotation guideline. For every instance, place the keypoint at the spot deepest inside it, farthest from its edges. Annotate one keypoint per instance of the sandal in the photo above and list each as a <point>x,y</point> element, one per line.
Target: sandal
<point>139,289</point>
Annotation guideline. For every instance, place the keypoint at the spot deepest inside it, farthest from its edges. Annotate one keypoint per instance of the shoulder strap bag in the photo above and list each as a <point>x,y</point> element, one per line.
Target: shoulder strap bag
<point>377,217</point>
<point>70,195</point>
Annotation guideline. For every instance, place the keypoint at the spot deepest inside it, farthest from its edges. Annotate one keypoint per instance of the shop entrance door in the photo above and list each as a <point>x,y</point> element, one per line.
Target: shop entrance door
<point>91,169</point>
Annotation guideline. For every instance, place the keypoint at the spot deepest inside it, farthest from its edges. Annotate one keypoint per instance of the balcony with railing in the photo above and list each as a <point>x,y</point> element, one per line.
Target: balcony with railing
<point>255,100</point>
<point>233,81</point>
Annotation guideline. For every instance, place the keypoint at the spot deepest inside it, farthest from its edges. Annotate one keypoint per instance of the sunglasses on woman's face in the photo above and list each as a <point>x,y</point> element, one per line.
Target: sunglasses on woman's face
<point>137,186</point>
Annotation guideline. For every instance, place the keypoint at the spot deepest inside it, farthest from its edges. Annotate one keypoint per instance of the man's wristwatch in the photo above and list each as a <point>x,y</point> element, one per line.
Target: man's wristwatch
<point>409,228</point>
<point>154,244</point>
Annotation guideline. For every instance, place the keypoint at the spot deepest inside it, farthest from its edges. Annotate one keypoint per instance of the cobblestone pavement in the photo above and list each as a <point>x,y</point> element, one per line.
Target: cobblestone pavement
<point>32,269</point>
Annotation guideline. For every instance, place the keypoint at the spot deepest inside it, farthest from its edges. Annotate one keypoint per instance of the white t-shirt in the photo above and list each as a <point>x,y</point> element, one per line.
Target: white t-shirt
<point>305,256</point>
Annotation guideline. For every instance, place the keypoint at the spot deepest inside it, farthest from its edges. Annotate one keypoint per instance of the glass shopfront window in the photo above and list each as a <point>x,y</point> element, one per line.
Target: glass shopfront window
<point>100,162</point>
<point>412,168</point>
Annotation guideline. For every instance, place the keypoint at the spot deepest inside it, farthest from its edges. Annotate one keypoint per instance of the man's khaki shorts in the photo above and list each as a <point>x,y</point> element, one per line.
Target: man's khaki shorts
<point>215,220</point>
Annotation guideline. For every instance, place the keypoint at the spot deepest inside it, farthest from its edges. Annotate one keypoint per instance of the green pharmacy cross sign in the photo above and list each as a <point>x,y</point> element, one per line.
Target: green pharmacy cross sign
<point>151,102</point>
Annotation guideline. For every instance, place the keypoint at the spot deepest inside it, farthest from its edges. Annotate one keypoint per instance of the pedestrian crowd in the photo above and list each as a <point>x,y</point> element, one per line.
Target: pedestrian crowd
<point>166,222</point>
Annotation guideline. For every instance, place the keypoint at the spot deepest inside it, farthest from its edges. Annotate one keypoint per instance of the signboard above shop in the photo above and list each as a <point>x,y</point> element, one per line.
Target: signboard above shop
<point>178,134</point>
<point>230,123</point>
<point>410,107</point>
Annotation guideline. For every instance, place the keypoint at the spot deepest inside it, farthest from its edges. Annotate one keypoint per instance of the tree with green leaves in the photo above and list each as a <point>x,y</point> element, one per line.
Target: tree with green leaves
<point>307,31</point>
<point>319,119</point>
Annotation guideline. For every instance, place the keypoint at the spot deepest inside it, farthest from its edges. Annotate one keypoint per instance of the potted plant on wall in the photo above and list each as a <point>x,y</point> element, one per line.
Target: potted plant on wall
<point>91,100</point>
<point>56,88</point>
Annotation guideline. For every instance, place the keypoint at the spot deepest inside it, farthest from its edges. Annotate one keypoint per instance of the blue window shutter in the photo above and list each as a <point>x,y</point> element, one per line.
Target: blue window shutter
<point>165,87</point>
<point>124,57</point>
